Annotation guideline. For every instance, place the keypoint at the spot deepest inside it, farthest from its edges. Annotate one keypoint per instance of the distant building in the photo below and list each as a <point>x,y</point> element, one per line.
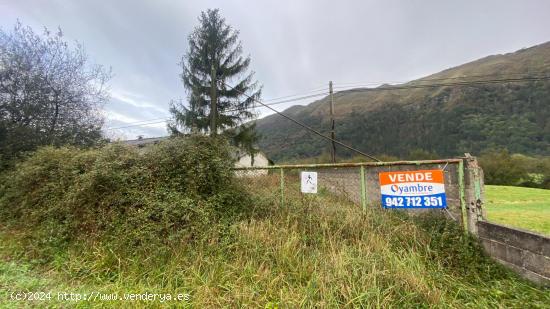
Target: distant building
<point>246,160</point>
<point>242,159</point>
<point>259,159</point>
<point>142,142</point>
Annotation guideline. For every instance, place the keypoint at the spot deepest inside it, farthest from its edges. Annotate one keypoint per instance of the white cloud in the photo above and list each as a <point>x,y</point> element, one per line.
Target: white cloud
<point>134,100</point>
<point>112,115</point>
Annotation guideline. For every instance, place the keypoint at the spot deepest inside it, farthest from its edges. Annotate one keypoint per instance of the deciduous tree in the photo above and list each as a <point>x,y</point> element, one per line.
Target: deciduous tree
<point>49,92</point>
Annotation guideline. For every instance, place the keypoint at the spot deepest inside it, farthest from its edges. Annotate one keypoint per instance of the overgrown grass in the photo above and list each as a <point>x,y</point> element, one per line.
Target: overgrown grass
<point>314,251</point>
<point>525,208</point>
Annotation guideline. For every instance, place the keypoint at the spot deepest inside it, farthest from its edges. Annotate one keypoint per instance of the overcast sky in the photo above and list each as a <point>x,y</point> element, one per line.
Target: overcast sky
<point>295,46</point>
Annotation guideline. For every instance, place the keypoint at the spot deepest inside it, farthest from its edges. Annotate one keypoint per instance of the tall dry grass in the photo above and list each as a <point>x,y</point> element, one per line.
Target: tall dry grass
<point>314,251</point>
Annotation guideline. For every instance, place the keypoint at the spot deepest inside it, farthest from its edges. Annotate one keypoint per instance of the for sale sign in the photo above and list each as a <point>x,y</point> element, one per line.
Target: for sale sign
<point>413,189</point>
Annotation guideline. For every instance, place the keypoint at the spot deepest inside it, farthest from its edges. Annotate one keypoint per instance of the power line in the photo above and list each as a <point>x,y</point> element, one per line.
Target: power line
<point>464,83</point>
<point>298,94</point>
<point>299,99</point>
<point>138,125</point>
<point>385,88</point>
<point>417,82</point>
<point>304,125</point>
<point>392,88</point>
<point>420,80</point>
<point>346,85</point>
<point>529,74</point>
<point>147,122</point>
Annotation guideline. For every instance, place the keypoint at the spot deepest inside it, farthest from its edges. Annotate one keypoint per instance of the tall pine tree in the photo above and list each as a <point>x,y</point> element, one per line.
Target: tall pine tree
<point>213,61</point>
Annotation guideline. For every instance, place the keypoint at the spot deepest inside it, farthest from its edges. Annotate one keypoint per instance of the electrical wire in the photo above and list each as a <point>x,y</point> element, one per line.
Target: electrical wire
<point>384,88</point>
<point>304,125</point>
<point>343,85</point>
<point>140,123</point>
<point>298,94</point>
<point>465,83</point>
<point>299,99</point>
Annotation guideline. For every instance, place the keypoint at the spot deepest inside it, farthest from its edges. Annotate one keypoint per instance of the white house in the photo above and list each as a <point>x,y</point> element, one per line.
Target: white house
<point>242,159</point>
<point>246,160</point>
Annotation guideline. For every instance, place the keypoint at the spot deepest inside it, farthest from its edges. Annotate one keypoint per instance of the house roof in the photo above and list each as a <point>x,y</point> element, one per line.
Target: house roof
<point>144,141</point>
<point>141,142</point>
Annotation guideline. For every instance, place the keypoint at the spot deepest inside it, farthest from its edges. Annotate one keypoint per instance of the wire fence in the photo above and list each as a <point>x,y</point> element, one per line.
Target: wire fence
<point>363,184</point>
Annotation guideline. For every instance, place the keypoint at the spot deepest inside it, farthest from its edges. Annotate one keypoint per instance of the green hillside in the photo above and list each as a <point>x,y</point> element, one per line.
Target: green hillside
<point>447,120</point>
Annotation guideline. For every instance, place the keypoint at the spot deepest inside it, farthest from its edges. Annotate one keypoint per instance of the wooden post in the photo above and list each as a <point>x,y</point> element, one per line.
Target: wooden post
<point>363,188</point>
<point>282,186</point>
<point>461,192</point>
<point>332,135</point>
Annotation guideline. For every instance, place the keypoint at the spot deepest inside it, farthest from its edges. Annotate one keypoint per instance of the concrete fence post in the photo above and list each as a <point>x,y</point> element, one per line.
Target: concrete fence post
<point>363,188</point>
<point>282,176</point>
<point>474,193</point>
<point>461,192</point>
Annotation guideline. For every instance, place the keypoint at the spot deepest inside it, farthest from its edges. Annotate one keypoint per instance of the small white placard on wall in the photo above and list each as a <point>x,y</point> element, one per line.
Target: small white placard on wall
<point>309,182</point>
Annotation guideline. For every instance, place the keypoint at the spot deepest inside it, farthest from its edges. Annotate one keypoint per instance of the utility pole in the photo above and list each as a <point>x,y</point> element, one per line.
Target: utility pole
<point>213,101</point>
<point>333,149</point>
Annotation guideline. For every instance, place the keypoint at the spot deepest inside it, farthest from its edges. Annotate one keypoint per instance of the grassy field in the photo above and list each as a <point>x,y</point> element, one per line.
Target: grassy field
<point>525,208</point>
<point>315,251</point>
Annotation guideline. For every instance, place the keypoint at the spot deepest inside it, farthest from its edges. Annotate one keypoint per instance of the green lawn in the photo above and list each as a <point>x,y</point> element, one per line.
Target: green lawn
<point>526,208</point>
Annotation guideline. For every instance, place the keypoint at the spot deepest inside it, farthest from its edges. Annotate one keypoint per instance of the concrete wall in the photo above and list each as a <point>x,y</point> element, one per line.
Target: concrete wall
<point>525,252</point>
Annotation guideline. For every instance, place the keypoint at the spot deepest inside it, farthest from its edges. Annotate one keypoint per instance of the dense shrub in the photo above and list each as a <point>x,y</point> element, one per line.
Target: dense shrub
<point>502,168</point>
<point>311,251</point>
<point>458,252</point>
<point>173,190</point>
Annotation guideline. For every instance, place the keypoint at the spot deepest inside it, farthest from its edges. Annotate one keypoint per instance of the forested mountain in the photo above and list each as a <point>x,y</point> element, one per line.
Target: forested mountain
<point>455,117</point>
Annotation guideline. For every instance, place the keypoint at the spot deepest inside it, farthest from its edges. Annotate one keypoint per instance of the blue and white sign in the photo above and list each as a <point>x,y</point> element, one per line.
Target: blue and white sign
<point>413,189</point>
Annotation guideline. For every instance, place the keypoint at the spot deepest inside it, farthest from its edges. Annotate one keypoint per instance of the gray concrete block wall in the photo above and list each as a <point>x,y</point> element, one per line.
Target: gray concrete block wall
<point>525,252</point>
